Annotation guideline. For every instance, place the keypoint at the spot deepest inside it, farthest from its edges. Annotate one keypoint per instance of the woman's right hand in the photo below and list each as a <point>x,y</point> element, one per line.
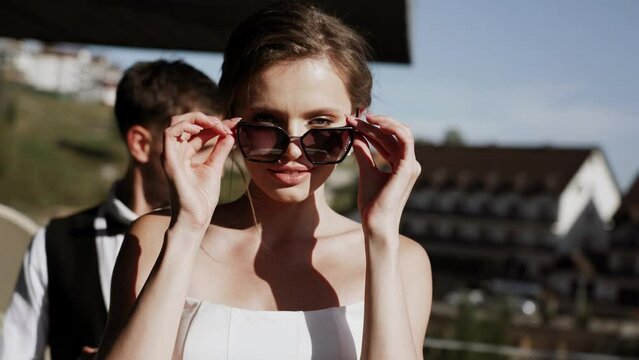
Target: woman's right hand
<point>195,186</point>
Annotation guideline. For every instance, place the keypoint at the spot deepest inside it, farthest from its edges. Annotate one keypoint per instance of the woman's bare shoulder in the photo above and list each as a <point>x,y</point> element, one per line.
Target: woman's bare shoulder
<point>153,223</point>
<point>414,262</point>
<point>143,243</point>
<point>140,249</point>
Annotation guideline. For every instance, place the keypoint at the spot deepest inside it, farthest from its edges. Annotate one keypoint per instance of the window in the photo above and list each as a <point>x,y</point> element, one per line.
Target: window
<point>470,232</point>
<point>444,230</point>
<point>422,199</point>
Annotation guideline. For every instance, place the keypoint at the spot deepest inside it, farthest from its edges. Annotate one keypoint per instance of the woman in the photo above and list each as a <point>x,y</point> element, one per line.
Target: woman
<point>277,274</point>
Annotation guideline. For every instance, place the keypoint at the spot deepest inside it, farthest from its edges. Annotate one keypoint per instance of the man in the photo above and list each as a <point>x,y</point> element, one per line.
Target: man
<point>62,293</point>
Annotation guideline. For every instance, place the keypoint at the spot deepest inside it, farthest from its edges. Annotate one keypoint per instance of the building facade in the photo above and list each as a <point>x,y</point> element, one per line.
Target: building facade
<point>500,219</point>
<point>72,71</point>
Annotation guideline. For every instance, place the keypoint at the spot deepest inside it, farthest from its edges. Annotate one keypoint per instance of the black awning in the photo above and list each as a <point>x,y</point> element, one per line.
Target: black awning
<point>186,24</point>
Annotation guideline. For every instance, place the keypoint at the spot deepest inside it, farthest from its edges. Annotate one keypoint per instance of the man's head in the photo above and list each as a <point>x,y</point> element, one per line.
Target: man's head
<point>151,92</point>
<point>148,95</point>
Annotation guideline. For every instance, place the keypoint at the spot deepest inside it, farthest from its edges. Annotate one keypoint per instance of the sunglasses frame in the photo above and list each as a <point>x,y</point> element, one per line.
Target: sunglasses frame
<point>349,130</point>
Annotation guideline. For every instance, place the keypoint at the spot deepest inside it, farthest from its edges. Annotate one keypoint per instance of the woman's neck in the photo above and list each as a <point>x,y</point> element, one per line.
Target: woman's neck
<point>279,223</point>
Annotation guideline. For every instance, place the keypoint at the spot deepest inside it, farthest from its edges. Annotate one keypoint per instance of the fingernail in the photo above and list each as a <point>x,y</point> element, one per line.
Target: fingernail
<point>236,119</point>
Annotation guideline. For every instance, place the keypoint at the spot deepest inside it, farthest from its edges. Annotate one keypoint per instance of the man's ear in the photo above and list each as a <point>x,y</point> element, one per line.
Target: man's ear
<point>139,141</point>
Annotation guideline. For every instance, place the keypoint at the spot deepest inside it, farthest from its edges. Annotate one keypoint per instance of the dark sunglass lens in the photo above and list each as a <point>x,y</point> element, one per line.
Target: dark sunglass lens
<point>326,145</point>
<point>261,143</point>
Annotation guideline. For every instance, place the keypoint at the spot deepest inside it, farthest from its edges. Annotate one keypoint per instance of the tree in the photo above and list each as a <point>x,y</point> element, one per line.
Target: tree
<point>453,137</point>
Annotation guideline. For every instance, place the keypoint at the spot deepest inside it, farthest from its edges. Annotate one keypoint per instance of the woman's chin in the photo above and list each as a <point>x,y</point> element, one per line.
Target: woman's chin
<point>290,195</point>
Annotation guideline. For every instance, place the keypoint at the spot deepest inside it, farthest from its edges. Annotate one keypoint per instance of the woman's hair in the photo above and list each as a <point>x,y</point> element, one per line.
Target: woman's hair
<point>286,31</point>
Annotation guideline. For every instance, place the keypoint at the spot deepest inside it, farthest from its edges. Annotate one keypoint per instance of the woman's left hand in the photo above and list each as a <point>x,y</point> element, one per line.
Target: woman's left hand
<point>382,195</point>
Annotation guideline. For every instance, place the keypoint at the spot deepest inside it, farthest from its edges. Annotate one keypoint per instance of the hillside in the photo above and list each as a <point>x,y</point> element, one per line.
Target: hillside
<point>56,154</point>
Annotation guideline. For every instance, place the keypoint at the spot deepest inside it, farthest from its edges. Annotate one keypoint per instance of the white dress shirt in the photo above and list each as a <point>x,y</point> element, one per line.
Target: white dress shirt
<point>26,322</point>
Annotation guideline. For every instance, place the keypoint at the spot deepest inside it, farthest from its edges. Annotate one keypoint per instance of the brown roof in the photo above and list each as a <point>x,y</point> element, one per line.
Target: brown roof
<point>629,208</point>
<point>526,170</point>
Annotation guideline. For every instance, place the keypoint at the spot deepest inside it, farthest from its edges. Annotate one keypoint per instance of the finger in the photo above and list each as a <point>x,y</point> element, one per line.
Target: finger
<point>198,141</point>
<point>203,120</point>
<point>405,162</point>
<point>380,149</point>
<point>190,130</point>
<point>381,120</point>
<point>215,124</point>
<point>363,156</point>
<point>89,350</point>
<point>393,127</point>
<point>204,137</point>
<point>180,128</point>
<point>188,117</point>
<point>178,133</point>
<point>385,141</point>
<point>220,152</point>
<point>232,123</point>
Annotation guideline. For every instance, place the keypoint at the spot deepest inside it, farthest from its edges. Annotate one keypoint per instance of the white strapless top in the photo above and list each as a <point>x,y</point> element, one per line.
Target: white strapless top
<point>214,331</point>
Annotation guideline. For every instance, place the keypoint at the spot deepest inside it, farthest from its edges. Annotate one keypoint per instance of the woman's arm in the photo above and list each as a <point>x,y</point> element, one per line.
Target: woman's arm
<point>398,300</point>
<point>418,287</point>
<point>398,280</point>
<point>149,285</point>
<point>154,267</point>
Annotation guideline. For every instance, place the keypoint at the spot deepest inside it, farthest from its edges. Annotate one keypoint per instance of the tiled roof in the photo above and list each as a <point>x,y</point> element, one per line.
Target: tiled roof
<point>496,169</point>
<point>629,208</point>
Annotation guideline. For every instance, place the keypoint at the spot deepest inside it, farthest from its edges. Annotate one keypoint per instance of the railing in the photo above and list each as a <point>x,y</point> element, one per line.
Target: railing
<point>515,352</point>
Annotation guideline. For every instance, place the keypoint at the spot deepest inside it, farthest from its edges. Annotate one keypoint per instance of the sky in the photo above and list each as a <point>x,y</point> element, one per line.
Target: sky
<point>506,72</point>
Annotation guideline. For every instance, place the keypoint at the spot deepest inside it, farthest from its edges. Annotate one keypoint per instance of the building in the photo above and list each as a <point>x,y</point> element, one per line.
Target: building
<point>616,284</point>
<point>72,71</point>
<point>499,218</point>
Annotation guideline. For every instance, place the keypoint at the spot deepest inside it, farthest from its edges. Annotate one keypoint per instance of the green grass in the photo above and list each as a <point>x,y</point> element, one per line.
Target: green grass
<point>53,151</point>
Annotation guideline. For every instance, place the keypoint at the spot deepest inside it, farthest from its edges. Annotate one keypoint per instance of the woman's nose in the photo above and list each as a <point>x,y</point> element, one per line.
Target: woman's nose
<point>295,130</point>
<point>294,149</point>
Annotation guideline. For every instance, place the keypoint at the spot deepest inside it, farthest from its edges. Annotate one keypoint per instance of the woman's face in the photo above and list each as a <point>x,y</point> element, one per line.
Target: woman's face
<point>297,96</point>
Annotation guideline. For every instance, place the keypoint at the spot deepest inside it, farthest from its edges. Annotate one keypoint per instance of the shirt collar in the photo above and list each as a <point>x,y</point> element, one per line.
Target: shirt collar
<point>116,208</point>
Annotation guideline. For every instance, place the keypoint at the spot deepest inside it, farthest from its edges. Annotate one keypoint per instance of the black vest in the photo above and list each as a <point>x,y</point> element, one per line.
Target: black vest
<point>77,311</point>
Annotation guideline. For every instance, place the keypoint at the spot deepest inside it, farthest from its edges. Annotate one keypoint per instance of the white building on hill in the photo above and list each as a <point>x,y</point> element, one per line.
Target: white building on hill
<point>72,71</point>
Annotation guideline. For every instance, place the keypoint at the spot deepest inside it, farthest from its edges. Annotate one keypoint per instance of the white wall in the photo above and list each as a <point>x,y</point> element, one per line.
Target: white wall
<point>75,73</point>
<point>51,72</point>
<point>593,181</point>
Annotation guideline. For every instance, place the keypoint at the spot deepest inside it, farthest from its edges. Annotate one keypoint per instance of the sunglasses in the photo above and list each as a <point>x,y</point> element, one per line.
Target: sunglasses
<point>267,144</point>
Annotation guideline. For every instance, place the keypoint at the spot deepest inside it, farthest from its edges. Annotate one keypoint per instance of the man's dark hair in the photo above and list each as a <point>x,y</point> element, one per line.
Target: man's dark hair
<point>151,92</point>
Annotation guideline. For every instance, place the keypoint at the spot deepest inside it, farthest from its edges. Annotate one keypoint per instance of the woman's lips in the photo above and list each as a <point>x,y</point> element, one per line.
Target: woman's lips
<point>290,177</point>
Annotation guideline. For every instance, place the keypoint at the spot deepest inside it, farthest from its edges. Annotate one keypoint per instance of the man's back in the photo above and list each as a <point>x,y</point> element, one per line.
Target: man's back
<point>77,311</point>
<point>63,290</point>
